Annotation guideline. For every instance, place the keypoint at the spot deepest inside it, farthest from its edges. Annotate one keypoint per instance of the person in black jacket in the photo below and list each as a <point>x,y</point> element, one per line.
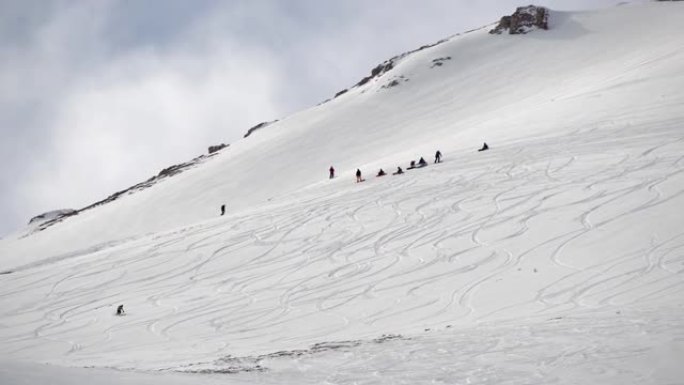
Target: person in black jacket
<point>438,157</point>
<point>484,147</point>
<point>223,209</point>
<point>332,172</point>
<point>358,176</point>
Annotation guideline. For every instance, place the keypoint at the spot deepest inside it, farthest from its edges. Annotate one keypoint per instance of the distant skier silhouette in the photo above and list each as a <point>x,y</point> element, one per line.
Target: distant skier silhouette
<point>412,165</point>
<point>484,147</point>
<point>438,157</point>
<point>332,172</point>
<point>223,209</point>
<point>381,173</point>
<point>422,162</point>
<point>358,176</point>
<point>120,310</point>
<point>398,172</point>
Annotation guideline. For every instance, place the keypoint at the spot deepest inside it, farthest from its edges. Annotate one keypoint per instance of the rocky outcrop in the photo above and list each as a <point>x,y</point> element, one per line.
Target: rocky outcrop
<point>378,71</point>
<point>52,215</point>
<point>384,68</point>
<point>524,20</point>
<point>43,221</point>
<point>440,61</point>
<point>257,127</point>
<point>218,147</point>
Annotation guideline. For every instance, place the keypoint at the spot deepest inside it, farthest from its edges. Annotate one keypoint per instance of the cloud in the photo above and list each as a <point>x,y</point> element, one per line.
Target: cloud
<point>96,96</point>
<point>105,120</point>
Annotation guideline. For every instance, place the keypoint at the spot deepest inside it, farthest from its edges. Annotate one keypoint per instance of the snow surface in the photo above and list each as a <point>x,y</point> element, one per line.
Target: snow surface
<point>555,257</point>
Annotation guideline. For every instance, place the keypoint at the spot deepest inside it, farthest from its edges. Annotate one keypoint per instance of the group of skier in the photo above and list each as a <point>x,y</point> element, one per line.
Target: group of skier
<point>359,177</point>
<point>421,163</point>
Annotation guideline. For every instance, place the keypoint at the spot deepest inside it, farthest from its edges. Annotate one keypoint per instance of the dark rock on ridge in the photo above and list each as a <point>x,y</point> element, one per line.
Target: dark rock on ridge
<point>52,215</point>
<point>50,220</point>
<point>257,127</point>
<point>218,147</point>
<point>524,20</point>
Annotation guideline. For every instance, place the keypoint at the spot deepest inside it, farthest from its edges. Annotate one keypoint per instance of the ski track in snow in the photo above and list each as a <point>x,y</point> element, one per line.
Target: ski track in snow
<point>427,249</point>
<point>556,257</point>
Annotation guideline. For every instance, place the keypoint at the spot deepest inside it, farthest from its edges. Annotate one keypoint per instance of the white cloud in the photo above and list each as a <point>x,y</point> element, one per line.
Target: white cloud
<point>152,109</point>
<point>111,124</point>
<point>86,109</point>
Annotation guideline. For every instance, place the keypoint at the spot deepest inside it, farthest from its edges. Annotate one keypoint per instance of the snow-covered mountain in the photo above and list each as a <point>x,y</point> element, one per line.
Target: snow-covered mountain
<point>556,256</point>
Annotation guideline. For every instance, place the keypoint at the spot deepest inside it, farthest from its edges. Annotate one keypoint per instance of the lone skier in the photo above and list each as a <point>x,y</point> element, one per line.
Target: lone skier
<point>223,209</point>
<point>484,147</point>
<point>398,172</point>
<point>332,172</point>
<point>438,157</point>
<point>358,176</point>
<point>381,173</point>
<point>120,310</point>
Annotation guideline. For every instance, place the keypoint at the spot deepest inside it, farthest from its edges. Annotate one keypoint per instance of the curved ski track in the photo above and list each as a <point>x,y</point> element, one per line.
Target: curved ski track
<point>513,232</point>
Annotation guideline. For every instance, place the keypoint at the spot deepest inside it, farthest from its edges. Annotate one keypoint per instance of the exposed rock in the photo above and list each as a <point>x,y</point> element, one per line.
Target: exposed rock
<point>46,220</point>
<point>51,215</point>
<point>377,72</point>
<point>524,20</point>
<point>232,364</point>
<point>258,126</point>
<point>218,147</point>
<point>388,65</point>
<point>439,61</point>
<point>395,81</point>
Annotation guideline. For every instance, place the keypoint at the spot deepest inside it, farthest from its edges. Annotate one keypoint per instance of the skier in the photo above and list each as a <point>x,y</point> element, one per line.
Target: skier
<point>332,172</point>
<point>399,171</point>
<point>358,176</point>
<point>412,165</point>
<point>484,147</point>
<point>422,162</point>
<point>438,157</point>
<point>223,209</point>
<point>381,173</point>
<point>120,310</point>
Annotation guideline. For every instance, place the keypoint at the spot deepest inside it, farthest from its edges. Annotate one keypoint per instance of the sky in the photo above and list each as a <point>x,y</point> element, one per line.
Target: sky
<point>96,96</point>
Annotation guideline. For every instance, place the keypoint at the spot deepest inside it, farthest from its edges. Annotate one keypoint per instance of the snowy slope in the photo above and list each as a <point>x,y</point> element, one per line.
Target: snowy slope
<point>560,248</point>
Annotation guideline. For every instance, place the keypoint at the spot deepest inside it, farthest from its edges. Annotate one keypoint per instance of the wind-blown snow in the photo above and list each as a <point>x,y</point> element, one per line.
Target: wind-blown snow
<point>557,256</point>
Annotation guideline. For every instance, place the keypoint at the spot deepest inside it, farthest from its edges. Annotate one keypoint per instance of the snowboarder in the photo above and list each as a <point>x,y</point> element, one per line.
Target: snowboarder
<point>332,172</point>
<point>484,147</point>
<point>223,209</point>
<point>438,157</point>
<point>422,162</point>
<point>120,310</point>
<point>358,176</point>
<point>381,173</point>
<point>412,165</point>
<point>399,171</point>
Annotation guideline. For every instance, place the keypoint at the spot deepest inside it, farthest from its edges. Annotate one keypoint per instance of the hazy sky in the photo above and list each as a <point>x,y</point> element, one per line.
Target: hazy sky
<point>98,95</point>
